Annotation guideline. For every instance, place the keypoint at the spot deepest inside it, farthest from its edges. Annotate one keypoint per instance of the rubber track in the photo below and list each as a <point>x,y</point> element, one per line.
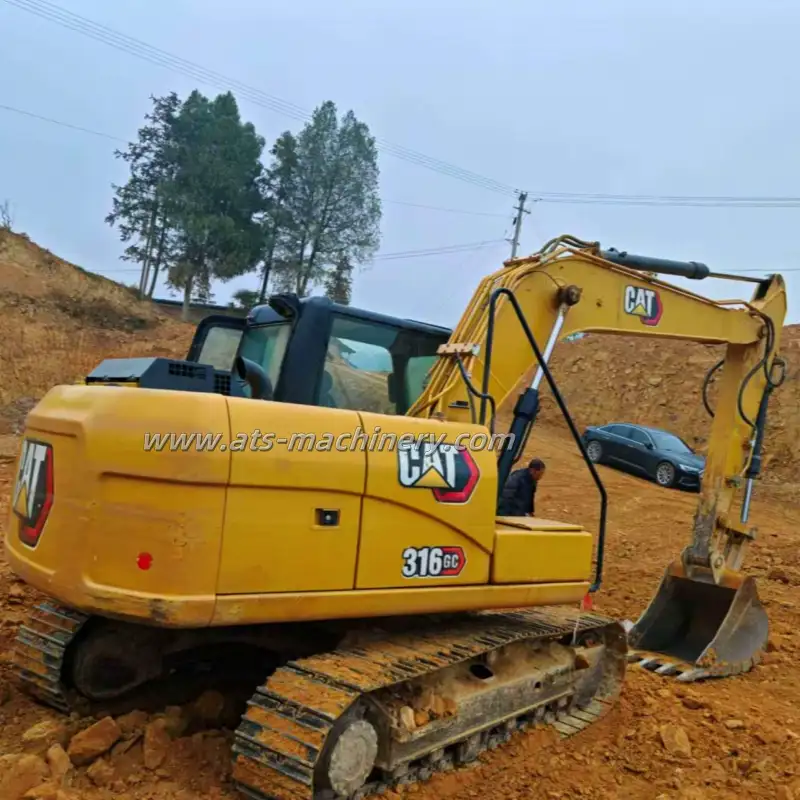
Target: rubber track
<point>280,739</point>
<point>39,649</point>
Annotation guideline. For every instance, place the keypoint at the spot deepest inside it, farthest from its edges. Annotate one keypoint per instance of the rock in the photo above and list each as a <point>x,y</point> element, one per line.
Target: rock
<point>692,701</point>
<point>122,747</point>
<point>92,742</point>
<point>45,791</point>
<point>175,721</point>
<point>692,793</point>
<point>209,708</point>
<point>439,707</point>
<point>22,774</point>
<point>676,741</point>
<point>101,773</point>
<point>407,718</point>
<point>784,793</point>
<point>734,724</point>
<point>780,575</point>
<point>16,593</point>
<point>156,744</point>
<point>425,701</point>
<point>655,380</point>
<point>59,763</point>
<point>132,723</point>
<point>43,734</point>
<point>421,718</point>
<point>769,735</point>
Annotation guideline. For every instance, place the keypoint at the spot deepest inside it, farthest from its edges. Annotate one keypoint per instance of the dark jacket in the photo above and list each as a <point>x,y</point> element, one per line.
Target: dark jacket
<point>516,499</point>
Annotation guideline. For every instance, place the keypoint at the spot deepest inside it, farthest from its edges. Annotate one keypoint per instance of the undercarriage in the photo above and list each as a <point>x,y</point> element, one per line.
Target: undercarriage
<point>342,710</point>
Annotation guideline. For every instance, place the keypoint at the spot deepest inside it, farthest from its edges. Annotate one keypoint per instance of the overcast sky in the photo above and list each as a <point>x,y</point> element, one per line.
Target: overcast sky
<point>619,96</point>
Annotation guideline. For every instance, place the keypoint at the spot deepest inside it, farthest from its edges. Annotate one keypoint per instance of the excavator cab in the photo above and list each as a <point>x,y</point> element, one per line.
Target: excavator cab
<point>308,351</point>
<point>313,351</point>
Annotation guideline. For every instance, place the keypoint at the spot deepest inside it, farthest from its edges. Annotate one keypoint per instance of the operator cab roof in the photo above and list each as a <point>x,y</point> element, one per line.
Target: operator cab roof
<point>285,306</point>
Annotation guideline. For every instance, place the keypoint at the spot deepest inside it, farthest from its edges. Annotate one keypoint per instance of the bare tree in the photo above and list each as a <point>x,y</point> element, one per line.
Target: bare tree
<point>6,217</point>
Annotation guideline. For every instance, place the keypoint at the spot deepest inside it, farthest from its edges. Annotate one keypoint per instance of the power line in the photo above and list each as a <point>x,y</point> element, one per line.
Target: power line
<point>699,201</point>
<point>59,122</point>
<point>451,210</point>
<point>465,247</point>
<point>667,201</point>
<point>15,110</point>
<point>142,50</point>
<point>154,55</point>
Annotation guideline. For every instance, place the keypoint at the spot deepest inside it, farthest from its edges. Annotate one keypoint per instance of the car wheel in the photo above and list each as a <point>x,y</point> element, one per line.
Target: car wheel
<point>665,474</point>
<point>595,452</point>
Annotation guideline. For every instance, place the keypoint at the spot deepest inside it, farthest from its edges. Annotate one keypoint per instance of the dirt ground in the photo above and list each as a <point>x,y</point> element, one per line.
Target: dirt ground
<point>737,738</point>
<point>743,733</point>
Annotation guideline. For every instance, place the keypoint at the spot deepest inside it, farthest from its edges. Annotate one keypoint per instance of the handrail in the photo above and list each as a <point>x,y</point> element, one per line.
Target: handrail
<point>601,538</point>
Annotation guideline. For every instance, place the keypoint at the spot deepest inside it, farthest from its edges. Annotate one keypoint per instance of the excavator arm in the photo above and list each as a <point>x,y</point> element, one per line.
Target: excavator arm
<point>705,619</point>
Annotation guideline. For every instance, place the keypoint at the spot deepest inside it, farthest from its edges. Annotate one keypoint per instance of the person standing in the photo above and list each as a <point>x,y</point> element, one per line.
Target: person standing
<point>519,493</point>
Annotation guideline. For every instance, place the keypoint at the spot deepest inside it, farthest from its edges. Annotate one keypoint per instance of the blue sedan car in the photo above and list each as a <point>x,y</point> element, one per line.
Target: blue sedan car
<point>648,452</point>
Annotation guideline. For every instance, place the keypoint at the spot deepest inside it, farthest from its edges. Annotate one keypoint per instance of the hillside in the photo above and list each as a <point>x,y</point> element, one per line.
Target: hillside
<point>612,378</point>
<point>57,322</point>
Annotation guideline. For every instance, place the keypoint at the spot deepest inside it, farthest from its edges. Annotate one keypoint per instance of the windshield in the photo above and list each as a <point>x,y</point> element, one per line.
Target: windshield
<point>668,441</point>
<point>374,366</point>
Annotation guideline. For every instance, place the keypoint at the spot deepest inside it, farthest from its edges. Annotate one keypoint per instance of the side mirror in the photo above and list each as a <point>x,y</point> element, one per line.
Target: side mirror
<point>650,446</point>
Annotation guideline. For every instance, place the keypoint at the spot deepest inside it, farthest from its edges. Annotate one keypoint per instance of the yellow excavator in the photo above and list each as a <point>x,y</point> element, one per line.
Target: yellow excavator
<point>312,496</point>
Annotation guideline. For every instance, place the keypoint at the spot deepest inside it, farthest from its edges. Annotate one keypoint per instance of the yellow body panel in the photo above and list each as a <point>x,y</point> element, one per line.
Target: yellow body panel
<point>129,531</point>
<point>273,540</point>
<point>312,606</point>
<point>397,516</point>
<point>543,551</point>
<point>232,534</point>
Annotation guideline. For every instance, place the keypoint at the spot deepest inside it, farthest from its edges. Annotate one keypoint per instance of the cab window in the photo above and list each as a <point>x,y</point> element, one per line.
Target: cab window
<point>266,345</point>
<point>372,366</point>
<point>417,375</point>
<point>219,347</point>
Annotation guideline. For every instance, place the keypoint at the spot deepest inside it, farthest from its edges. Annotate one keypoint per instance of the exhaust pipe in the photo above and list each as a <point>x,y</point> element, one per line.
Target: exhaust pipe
<point>697,629</point>
<point>255,377</point>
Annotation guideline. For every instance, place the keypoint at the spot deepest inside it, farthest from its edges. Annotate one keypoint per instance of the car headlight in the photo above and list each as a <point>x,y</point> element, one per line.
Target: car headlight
<point>691,470</point>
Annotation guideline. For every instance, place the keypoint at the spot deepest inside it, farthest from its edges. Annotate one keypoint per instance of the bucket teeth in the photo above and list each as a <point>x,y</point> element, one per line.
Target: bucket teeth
<point>692,675</point>
<point>695,629</point>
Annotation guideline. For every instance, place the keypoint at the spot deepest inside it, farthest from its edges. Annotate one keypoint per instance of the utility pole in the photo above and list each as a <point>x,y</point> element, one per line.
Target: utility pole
<point>520,209</point>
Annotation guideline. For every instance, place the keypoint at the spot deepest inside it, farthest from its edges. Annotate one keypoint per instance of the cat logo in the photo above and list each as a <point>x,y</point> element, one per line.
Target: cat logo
<point>643,303</point>
<point>450,472</point>
<point>33,490</point>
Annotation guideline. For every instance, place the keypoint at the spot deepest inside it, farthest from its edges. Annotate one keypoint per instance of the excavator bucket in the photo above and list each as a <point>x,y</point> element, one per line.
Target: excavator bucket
<point>696,629</point>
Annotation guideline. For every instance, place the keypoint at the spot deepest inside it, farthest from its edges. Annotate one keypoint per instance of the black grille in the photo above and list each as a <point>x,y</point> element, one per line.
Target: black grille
<point>182,370</point>
<point>222,383</point>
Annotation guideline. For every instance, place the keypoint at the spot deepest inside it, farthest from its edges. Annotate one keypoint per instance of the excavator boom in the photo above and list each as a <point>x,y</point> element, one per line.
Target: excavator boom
<point>705,618</point>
